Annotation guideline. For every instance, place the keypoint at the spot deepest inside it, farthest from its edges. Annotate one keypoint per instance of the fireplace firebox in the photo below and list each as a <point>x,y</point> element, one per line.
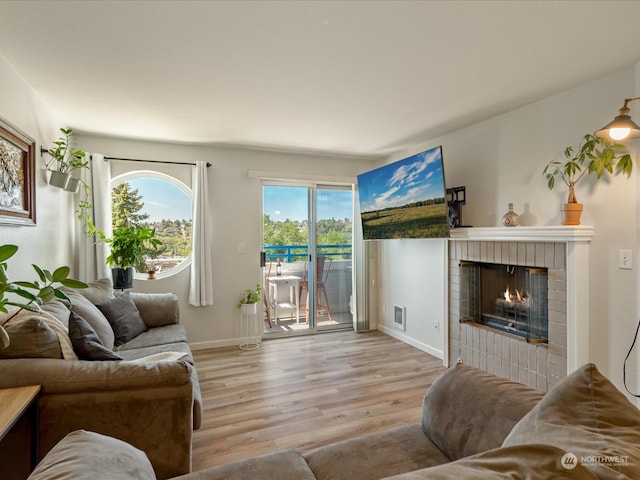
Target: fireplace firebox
<point>509,298</point>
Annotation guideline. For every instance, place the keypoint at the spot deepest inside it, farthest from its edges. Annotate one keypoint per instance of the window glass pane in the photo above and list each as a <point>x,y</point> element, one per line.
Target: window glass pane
<point>285,228</point>
<point>160,203</point>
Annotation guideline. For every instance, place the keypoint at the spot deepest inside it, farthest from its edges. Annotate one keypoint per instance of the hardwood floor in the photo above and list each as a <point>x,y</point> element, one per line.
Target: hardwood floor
<point>303,392</point>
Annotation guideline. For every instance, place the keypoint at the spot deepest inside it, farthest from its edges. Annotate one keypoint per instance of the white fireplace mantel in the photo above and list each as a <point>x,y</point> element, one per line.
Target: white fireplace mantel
<point>576,239</point>
<point>579,233</point>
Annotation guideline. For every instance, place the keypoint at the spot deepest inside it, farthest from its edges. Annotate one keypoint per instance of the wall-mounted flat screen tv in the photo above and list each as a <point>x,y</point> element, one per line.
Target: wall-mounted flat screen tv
<point>405,199</point>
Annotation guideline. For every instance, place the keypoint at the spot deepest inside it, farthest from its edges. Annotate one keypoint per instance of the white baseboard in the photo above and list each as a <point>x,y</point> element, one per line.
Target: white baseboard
<point>403,337</point>
<point>227,342</point>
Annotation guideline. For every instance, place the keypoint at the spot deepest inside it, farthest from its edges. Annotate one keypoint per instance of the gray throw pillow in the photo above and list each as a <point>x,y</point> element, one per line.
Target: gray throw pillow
<point>85,341</point>
<point>124,318</point>
<point>93,316</point>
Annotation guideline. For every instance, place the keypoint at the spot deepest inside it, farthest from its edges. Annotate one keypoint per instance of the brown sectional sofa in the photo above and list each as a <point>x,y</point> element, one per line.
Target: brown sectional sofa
<point>149,401</point>
<point>474,426</point>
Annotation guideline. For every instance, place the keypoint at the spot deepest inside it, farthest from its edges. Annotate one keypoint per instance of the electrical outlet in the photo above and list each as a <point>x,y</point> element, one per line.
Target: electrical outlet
<point>625,259</point>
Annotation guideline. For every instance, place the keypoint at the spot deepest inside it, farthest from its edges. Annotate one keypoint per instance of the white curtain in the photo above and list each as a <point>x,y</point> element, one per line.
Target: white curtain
<point>92,258</point>
<point>201,285</point>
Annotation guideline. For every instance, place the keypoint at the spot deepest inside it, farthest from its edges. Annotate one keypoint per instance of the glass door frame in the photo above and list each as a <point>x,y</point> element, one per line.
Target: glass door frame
<point>312,188</point>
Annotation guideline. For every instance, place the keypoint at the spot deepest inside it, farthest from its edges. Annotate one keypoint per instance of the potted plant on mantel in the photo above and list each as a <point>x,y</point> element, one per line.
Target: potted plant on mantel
<point>593,155</point>
<point>128,245</point>
<point>34,293</point>
<point>66,159</point>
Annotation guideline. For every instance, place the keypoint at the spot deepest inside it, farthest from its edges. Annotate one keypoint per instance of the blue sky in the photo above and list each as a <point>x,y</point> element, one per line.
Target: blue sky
<point>282,203</point>
<point>413,179</point>
<point>165,201</point>
<point>162,200</point>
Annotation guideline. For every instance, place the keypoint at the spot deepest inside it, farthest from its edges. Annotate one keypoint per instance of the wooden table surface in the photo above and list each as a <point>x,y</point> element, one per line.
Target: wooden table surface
<point>13,403</point>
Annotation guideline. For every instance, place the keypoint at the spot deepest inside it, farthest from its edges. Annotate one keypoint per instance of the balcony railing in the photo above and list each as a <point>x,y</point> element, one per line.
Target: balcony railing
<point>300,253</point>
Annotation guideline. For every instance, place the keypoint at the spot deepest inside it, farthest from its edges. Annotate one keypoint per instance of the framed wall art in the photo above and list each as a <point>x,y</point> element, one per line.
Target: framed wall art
<point>17,177</point>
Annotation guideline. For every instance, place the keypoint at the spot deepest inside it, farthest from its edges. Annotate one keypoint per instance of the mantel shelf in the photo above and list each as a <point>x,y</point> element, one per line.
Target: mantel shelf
<point>579,233</point>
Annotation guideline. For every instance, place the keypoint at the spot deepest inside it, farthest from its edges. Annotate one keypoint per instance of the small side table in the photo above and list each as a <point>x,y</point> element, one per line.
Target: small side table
<point>17,402</point>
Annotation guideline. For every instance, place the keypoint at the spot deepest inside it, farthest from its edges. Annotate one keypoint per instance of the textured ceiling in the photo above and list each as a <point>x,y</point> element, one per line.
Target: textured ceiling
<point>363,78</point>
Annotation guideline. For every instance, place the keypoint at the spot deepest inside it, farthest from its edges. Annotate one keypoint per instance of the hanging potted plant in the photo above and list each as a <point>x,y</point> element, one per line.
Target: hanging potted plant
<point>128,246</point>
<point>65,158</point>
<point>593,156</point>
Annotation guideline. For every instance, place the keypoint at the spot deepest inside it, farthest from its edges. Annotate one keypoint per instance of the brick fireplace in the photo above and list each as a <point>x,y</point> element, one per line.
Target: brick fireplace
<point>563,253</point>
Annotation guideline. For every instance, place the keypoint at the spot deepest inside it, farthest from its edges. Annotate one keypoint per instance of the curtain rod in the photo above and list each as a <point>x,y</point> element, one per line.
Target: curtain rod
<point>151,161</point>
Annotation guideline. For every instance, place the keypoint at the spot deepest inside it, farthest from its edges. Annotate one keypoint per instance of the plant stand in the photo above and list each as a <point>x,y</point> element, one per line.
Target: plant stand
<point>250,327</point>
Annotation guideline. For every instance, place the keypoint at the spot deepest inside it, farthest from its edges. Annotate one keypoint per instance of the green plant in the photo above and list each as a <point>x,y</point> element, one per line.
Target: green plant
<point>128,245</point>
<point>65,157</point>
<point>593,155</point>
<point>84,210</point>
<point>30,295</point>
<point>250,296</point>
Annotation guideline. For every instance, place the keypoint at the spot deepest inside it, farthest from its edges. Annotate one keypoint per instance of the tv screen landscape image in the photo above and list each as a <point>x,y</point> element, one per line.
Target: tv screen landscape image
<point>405,199</point>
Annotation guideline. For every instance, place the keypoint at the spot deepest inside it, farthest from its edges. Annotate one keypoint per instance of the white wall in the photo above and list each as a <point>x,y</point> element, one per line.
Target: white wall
<point>48,244</point>
<point>236,215</point>
<point>500,160</point>
<point>412,274</point>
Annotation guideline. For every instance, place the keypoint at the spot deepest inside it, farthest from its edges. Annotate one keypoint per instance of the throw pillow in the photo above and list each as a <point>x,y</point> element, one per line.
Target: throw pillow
<point>31,337</point>
<point>59,311</point>
<point>93,316</point>
<point>83,455</point>
<point>124,318</point>
<point>86,343</point>
<point>586,415</point>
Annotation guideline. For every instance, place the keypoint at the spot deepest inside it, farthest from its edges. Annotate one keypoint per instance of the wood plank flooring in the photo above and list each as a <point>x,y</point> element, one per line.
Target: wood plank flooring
<point>308,391</point>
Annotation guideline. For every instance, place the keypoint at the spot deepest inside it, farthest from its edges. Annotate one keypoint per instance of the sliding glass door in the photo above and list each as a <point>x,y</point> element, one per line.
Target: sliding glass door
<point>307,238</point>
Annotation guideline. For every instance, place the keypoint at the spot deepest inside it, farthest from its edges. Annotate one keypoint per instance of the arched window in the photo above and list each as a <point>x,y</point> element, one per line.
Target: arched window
<point>162,202</point>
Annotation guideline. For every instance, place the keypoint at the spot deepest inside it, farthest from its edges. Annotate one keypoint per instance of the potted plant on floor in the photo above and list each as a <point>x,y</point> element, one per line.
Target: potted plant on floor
<point>593,155</point>
<point>29,295</point>
<point>128,245</point>
<point>249,300</point>
<point>66,158</point>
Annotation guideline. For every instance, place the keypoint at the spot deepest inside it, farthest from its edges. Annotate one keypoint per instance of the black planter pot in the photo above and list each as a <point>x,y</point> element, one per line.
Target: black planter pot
<point>122,277</point>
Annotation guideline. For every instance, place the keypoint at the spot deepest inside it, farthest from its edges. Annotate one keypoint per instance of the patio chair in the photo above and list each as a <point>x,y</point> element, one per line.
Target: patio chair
<point>323,267</point>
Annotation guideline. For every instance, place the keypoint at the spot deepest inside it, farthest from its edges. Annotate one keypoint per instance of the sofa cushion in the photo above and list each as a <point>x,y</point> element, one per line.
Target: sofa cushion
<point>85,342</point>
<point>98,291</point>
<point>468,411</point>
<point>586,415</point>
<point>83,455</point>
<point>530,462</point>
<point>137,353</point>
<point>282,465</point>
<point>376,455</point>
<point>93,316</point>
<point>168,334</point>
<point>124,318</point>
<point>31,337</point>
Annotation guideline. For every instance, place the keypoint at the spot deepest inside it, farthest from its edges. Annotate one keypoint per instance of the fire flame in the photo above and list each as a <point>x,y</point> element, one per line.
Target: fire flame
<point>510,298</point>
